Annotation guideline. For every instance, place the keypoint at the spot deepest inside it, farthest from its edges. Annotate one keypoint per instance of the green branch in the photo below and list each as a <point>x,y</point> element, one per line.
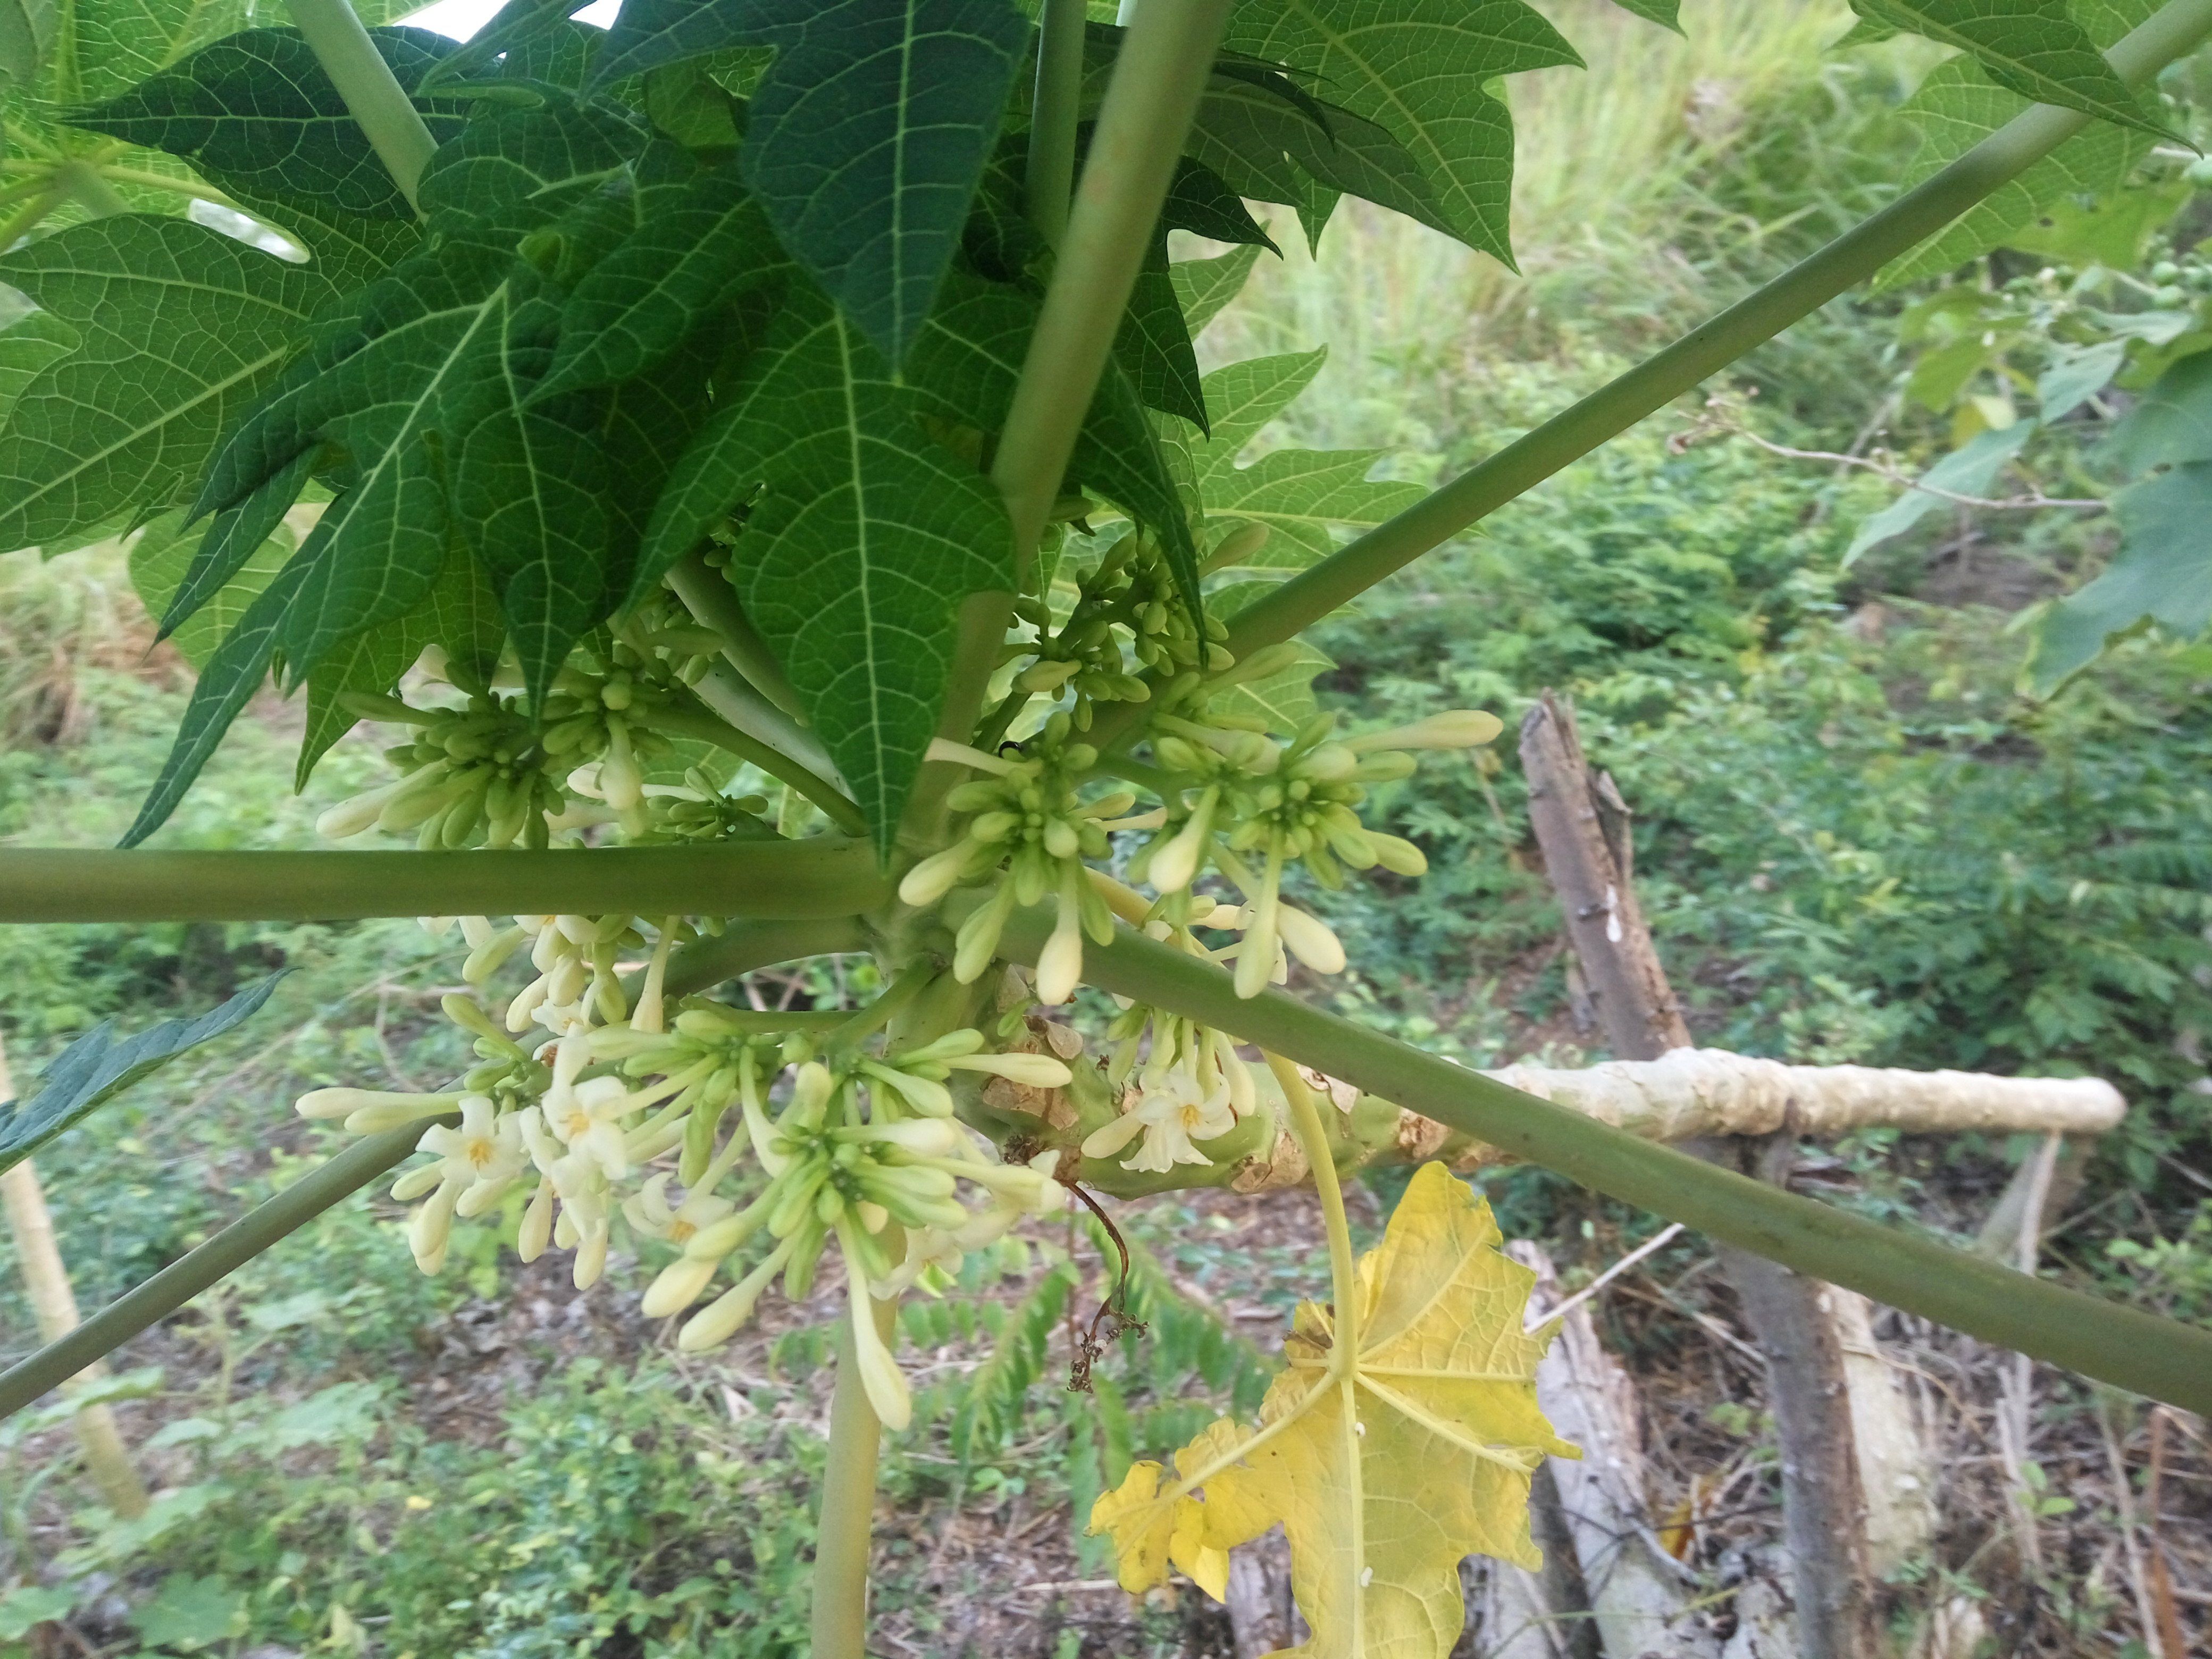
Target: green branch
<point>763,881</point>
<point>1711,347</point>
<point>702,724</point>
<point>743,946</point>
<point>708,595</point>
<point>186,1277</point>
<point>387,116</point>
<point>2132,1350</point>
<point>846,1530</point>
<point>1150,102</point>
<point>1050,179</point>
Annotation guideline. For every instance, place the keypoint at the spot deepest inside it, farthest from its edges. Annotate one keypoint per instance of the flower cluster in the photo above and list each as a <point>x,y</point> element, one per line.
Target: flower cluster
<point>624,1118</point>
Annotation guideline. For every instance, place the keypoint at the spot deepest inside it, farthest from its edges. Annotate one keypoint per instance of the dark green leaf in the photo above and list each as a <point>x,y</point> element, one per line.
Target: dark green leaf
<point>227,684</point>
<point>511,172</point>
<point>26,346</point>
<point>1204,286</point>
<point>27,29</point>
<point>179,329</point>
<point>2033,47</point>
<point>161,553</point>
<point>1153,345</point>
<point>1199,202</point>
<point>2162,573</point>
<point>1271,149</point>
<point>866,137</point>
<point>1301,495</point>
<point>2171,424</point>
<point>862,538</point>
<point>1418,68</point>
<point>516,31</point>
<point>256,113</point>
<point>708,244</point>
<point>96,1067</point>
<point>233,539</point>
<point>1668,13</point>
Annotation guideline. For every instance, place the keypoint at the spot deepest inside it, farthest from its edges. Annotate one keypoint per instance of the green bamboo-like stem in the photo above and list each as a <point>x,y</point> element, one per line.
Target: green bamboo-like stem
<point>186,1277</point>
<point>2160,1357</point>
<point>1050,179</point>
<point>1711,347</point>
<point>701,723</point>
<point>1150,102</point>
<point>743,946</point>
<point>708,595</point>
<point>762,881</point>
<point>371,93</point>
<point>847,1527</point>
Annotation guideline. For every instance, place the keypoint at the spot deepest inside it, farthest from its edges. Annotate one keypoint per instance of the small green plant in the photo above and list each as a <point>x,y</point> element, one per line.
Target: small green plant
<point>753,460</point>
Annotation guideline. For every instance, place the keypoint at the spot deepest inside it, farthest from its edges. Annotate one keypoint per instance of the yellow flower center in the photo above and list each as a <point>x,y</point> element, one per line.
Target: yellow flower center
<point>577,1123</point>
<point>679,1229</point>
<point>480,1152</point>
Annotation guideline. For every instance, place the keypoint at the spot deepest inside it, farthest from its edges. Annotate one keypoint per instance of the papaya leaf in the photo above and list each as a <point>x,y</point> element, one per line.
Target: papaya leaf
<point>1416,68</point>
<point>1957,106</point>
<point>1271,150</point>
<point>866,136</point>
<point>2034,47</point>
<point>233,672</point>
<point>256,113</point>
<point>232,539</point>
<point>179,328</point>
<point>511,172</point>
<point>95,1068</point>
<point>2161,574</point>
<point>1385,1471</point>
<point>1301,495</point>
<point>1668,13</point>
<point>1285,699</point>
<point>1203,286</point>
<point>2171,424</point>
<point>693,255</point>
<point>862,538</point>
<point>163,553</point>
<point>27,30</point>
<point>1152,345</point>
<point>26,346</point>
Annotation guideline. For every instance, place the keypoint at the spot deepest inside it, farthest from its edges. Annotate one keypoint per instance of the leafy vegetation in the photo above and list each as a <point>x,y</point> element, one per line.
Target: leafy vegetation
<point>654,432</point>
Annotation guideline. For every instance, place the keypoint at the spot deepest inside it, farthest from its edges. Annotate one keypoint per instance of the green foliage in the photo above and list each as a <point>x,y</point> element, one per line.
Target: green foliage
<point>2036,48</point>
<point>113,427</point>
<point>96,1067</point>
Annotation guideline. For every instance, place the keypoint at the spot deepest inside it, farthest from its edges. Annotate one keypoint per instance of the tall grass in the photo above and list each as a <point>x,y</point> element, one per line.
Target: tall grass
<point>1667,175</point>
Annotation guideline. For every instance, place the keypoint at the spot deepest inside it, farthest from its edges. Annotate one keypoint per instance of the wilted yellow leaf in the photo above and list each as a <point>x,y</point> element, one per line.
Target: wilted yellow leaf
<point>1388,1470</point>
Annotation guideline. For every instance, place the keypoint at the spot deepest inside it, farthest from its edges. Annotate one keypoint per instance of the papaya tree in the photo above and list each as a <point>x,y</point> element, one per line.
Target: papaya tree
<point>750,462</point>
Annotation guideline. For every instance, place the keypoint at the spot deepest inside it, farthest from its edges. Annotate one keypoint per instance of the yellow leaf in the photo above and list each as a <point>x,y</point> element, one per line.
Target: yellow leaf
<point>1387,1471</point>
<point>1149,1535</point>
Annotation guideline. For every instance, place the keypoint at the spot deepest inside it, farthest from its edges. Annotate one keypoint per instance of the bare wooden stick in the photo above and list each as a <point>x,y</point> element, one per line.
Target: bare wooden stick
<point>1582,830</point>
<point>54,1304</point>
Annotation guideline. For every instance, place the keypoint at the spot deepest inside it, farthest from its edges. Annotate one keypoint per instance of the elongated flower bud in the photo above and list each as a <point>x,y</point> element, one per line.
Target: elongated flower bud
<point>536,1228</point>
<point>1059,965</point>
<point>1176,865</point>
<point>345,1102</point>
<point>680,1284</point>
<point>1397,855</point>
<point>879,1372</point>
<point>1037,1071</point>
<point>934,876</point>
<point>1454,728</point>
<point>720,1319</point>
<point>430,1229</point>
<point>350,817</point>
<point>1310,940</point>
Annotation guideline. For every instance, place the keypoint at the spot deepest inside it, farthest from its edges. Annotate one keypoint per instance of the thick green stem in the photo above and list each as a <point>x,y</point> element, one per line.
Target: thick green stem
<point>707,594</point>
<point>707,726</point>
<point>1704,351</point>
<point>2160,1357</point>
<point>1049,179</point>
<point>372,94</point>
<point>81,179</point>
<point>185,1278</point>
<point>763,881</point>
<point>743,946</point>
<point>1163,69</point>
<point>849,1504</point>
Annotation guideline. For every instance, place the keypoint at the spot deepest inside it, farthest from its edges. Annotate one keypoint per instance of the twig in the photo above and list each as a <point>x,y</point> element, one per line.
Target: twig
<point>2124,1501</point>
<point>1720,426</point>
<point>1657,1241</point>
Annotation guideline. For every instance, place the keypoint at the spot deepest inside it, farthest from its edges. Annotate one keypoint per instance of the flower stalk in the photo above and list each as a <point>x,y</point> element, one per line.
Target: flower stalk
<point>387,116</point>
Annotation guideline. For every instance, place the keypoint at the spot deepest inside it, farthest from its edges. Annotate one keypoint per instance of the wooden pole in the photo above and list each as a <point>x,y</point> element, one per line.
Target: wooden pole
<point>45,1280</point>
<point>1582,827</point>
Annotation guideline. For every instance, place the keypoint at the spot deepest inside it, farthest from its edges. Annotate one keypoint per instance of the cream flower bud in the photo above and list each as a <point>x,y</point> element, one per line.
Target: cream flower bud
<point>1310,940</point>
<point>718,1321</point>
<point>934,876</point>
<point>932,1099</point>
<point>1036,1071</point>
<point>350,817</point>
<point>1454,728</point>
<point>1399,856</point>
<point>925,1137</point>
<point>1059,965</point>
<point>537,1229</point>
<point>680,1284</point>
<point>879,1372</point>
<point>345,1102</point>
<point>1176,865</point>
<point>397,1113</point>
<point>415,1182</point>
<point>1110,1137</point>
<point>429,1230</point>
<point>591,1257</point>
